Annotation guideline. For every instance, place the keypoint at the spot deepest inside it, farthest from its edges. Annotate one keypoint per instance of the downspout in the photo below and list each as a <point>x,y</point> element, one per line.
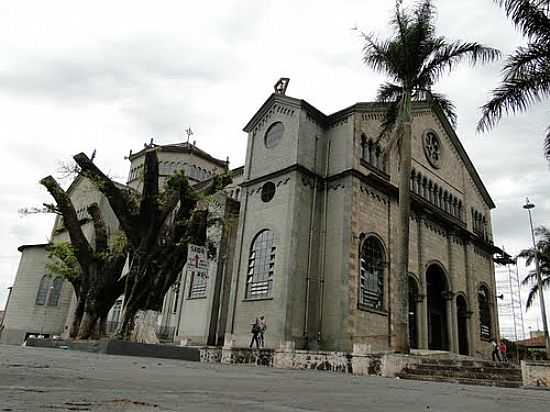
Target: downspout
<point>323,264</point>
<point>310,242</point>
<point>245,208</point>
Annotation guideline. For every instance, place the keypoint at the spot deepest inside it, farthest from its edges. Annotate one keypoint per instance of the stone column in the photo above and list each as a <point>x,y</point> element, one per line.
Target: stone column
<point>448,296</point>
<point>422,314</point>
<point>455,324</point>
<point>471,295</point>
<point>421,333</point>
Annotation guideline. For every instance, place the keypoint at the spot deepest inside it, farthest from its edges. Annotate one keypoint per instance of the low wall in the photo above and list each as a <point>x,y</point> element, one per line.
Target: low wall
<point>324,361</point>
<point>211,354</point>
<point>260,357</point>
<point>536,374</point>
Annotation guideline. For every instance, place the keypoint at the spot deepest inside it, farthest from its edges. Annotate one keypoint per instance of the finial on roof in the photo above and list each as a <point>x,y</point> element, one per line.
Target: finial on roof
<point>93,155</point>
<point>194,142</point>
<point>281,85</point>
<point>151,142</point>
<point>189,133</point>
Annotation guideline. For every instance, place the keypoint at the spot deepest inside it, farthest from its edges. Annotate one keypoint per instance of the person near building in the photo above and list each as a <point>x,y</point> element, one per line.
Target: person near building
<point>263,328</point>
<point>256,329</point>
<point>503,351</point>
<point>495,354</point>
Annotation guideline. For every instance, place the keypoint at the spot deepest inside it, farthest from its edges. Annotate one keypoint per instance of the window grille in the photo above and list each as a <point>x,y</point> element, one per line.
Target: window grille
<point>372,273</point>
<point>53,299</point>
<point>261,265</point>
<point>43,290</point>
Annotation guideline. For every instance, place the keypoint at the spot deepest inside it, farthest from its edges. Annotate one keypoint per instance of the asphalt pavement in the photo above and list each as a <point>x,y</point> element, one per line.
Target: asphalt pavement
<point>37,379</point>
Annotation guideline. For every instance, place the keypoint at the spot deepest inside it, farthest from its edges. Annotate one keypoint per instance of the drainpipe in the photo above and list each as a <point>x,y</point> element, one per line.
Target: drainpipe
<point>324,252</point>
<point>310,242</point>
<point>243,216</point>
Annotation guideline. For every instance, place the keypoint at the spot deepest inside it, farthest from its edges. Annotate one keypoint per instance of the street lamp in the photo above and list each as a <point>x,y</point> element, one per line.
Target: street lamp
<point>530,206</point>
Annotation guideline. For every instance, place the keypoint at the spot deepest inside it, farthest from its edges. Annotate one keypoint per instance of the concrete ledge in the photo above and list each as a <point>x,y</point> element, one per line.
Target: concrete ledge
<point>535,374</point>
<point>325,361</point>
<point>117,347</point>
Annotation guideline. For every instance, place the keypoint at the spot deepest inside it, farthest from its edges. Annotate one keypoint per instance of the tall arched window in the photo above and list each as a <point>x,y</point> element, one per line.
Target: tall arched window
<point>261,265</point>
<point>43,290</point>
<point>373,263</point>
<point>55,293</point>
<point>484,313</point>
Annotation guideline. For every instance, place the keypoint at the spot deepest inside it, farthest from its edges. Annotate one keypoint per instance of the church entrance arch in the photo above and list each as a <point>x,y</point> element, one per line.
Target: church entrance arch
<point>437,288</point>
<point>462,324</point>
<point>413,313</point>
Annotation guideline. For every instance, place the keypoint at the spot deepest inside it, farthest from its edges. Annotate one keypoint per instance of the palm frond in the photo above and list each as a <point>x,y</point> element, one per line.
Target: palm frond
<point>525,60</point>
<point>547,144</point>
<point>447,56</point>
<point>389,92</point>
<point>529,16</point>
<point>533,292</point>
<point>513,96</point>
<point>375,54</point>
<point>446,105</point>
<point>389,121</point>
<point>529,278</point>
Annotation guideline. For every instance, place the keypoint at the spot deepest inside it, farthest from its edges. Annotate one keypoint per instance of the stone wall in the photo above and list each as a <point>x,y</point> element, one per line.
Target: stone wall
<point>535,374</point>
<point>324,361</point>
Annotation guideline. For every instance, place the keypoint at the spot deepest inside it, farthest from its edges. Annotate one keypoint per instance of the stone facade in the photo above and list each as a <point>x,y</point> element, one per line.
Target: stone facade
<point>335,188</point>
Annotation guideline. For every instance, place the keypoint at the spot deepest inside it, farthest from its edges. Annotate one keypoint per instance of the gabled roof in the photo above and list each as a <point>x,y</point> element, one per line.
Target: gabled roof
<point>325,121</point>
<point>184,147</point>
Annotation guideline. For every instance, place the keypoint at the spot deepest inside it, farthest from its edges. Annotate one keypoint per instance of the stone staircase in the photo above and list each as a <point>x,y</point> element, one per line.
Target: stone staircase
<point>468,372</point>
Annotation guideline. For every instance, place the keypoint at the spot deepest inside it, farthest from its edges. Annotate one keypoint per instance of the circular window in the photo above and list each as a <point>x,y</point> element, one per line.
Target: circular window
<point>274,134</point>
<point>432,148</point>
<point>268,191</point>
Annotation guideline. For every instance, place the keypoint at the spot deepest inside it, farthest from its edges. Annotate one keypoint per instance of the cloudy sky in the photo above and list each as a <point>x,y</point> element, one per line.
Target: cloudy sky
<point>79,76</point>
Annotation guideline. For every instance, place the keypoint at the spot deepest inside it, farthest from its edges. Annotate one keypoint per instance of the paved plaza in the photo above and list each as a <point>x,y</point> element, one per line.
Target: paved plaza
<point>36,379</point>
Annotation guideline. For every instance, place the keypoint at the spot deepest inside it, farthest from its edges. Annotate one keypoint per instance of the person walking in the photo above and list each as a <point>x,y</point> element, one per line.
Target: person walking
<point>495,354</point>
<point>263,327</point>
<point>256,328</point>
<point>503,351</point>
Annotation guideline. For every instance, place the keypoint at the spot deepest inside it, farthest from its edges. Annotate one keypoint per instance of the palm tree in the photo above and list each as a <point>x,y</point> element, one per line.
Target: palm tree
<point>414,58</point>
<point>543,253</point>
<point>526,73</point>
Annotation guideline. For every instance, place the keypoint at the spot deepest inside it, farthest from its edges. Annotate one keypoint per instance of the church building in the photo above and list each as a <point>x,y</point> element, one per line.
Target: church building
<point>309,234</point>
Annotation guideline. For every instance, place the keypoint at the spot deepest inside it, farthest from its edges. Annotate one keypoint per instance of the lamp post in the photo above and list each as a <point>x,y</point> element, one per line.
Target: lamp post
<point>530,206</point>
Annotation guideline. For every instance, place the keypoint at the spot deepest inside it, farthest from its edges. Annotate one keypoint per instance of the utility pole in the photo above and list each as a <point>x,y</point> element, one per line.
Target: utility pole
<point>528,206</point>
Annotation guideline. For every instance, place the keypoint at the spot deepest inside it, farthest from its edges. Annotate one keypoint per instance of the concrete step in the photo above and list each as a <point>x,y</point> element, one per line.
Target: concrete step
<point>468,363</point>
<point>513,372</point>
<point>463,381</point>
<point>464,373</point>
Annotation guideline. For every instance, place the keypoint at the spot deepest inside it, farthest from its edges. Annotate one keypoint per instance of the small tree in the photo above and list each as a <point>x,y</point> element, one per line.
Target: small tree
<point>543,253</point>
<point>159,225</point>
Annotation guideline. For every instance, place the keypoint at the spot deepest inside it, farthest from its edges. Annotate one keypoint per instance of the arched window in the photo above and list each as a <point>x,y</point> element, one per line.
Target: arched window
<point>261,265</point>
<point>55,293</point>
<point>43,290</point>
<point>484,313</point>
<point>373,263</point>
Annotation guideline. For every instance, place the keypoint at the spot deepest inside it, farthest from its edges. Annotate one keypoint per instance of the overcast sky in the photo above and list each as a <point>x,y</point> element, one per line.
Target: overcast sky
<point>104,75</point>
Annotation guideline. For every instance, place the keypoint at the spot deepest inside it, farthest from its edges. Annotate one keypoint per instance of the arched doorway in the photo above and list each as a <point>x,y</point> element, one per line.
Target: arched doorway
<point>413,313</point>
<point>462,324</point>
<point>436,284</point>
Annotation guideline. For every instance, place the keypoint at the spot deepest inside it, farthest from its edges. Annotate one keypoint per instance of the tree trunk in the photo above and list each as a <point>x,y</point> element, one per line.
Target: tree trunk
<point>401,324</point>
<point>77,318</point>
<point>87,325</point>
<point>145,327</point>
